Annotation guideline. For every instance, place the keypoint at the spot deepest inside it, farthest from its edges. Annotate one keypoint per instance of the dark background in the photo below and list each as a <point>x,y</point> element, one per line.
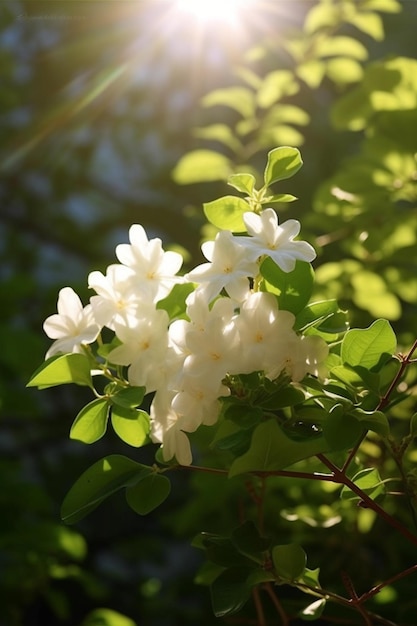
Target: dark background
<point>98,101</point>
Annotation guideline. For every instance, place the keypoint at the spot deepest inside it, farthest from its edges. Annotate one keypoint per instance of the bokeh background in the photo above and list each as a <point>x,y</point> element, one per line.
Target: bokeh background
<point>98,102</point>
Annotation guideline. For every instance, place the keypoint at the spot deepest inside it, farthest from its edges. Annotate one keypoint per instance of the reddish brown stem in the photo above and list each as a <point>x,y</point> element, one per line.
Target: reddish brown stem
<point>405,361</point>
<point>341,478</point>
<point>259,608</point>
<point>375,590</point>
<point>285,621</point>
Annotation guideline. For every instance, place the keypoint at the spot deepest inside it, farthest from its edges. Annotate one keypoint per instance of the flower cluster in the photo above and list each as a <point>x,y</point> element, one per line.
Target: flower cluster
<point>231,327</point>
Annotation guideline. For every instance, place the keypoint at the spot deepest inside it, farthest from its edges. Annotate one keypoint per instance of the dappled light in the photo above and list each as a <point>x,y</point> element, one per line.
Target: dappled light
<point>208,283</point>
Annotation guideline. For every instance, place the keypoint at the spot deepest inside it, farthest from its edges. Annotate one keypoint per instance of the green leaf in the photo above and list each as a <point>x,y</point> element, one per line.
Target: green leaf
<point>342,46</point>
<point>314,610</point>
<point>369,481</point>
<point>281,398</point>
<point>315,313</point>
<point>231,436</point>
<point>376,421</point>
<point>341,430</point>
<point>174,303</point>
<point>131,425</point>
<point>218,132</point>
<point>321,16</point>
<point>107,617</point>
<point>149,493</point>
<point>230,591</point>
<point>343,71</point>
<point>281,197</point>
<point>128,397</point>
<point>240,99</point>
<point>91,422</point>
<point>98,482</point>
<point>293,289</point>
<point>242,182</point>
<point>221,550</point>
<point>282,163</point>
<point>311,72</point>
<point>370,347</point>
<point>243,414</point>
<point>275,86</point>
<point>227,213</point>
<point>248,541</point>
<point>413,425</point>
<point>271,450</point>
<point>289,561</point>
<point>62,369</point>
<point>201,166</point>
<point>369,23</point>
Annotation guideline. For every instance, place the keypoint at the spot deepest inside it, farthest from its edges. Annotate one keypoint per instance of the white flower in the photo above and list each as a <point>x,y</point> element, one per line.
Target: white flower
<point>144,347</point>
<point>197,401</point>
<point>72,326</point>
<point>268,238</point>
<point>166,429</point>
<point>211,345</point>
<point>316,352</point>
<point>229,268</point>
<point>263,333</point>
<point>155,269</point>
<point>117,297</point>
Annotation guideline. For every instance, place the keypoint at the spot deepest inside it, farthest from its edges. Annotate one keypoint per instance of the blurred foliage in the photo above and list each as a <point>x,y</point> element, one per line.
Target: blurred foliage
<point>99,102</point>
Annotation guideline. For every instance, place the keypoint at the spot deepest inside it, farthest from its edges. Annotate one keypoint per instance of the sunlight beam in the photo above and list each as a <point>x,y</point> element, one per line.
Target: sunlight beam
<point>225,11</point>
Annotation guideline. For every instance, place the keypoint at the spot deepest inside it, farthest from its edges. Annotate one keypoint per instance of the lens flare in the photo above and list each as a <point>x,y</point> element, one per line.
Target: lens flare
<point>213,10</point>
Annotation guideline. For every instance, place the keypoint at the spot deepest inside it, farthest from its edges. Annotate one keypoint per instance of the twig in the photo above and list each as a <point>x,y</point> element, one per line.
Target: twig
<point>285,621</point>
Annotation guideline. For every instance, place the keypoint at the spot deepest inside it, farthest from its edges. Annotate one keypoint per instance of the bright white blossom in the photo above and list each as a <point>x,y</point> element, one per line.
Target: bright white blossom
<point>198,401</point>
<point>268,238</point>
<point>154,268</point>
<point>72,326</point>
<point>186,362</point>
<point>229,268</point>
<point>117,297</point>
<point>166,429</point>
<point>144,348</point>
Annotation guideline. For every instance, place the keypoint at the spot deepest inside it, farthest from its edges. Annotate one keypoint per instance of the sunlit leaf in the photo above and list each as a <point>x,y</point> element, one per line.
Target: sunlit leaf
<point>369,347</point>
<point>344,71</point>
<point>311,72</point>
<point>321,16</point>
<point>275,85</point>
<point>369,481</point>
<point>314,610</point>
<point>227,213</point>
<point>62,369</point>
<point>369,23</point>
<point>131,425</point>
<point>91,422</point>
<point>293,289</point>
<point>241,99</point>
<point>218,132</point>
<point>174,303</point>
<point>282,163</point>
<point>107,617</point>
<point>242,182</point>
<point>342,46</point>
<point>201,166</point>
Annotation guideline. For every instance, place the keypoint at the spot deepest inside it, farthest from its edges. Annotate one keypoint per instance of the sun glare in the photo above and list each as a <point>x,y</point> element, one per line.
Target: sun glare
<point>213,10</point>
